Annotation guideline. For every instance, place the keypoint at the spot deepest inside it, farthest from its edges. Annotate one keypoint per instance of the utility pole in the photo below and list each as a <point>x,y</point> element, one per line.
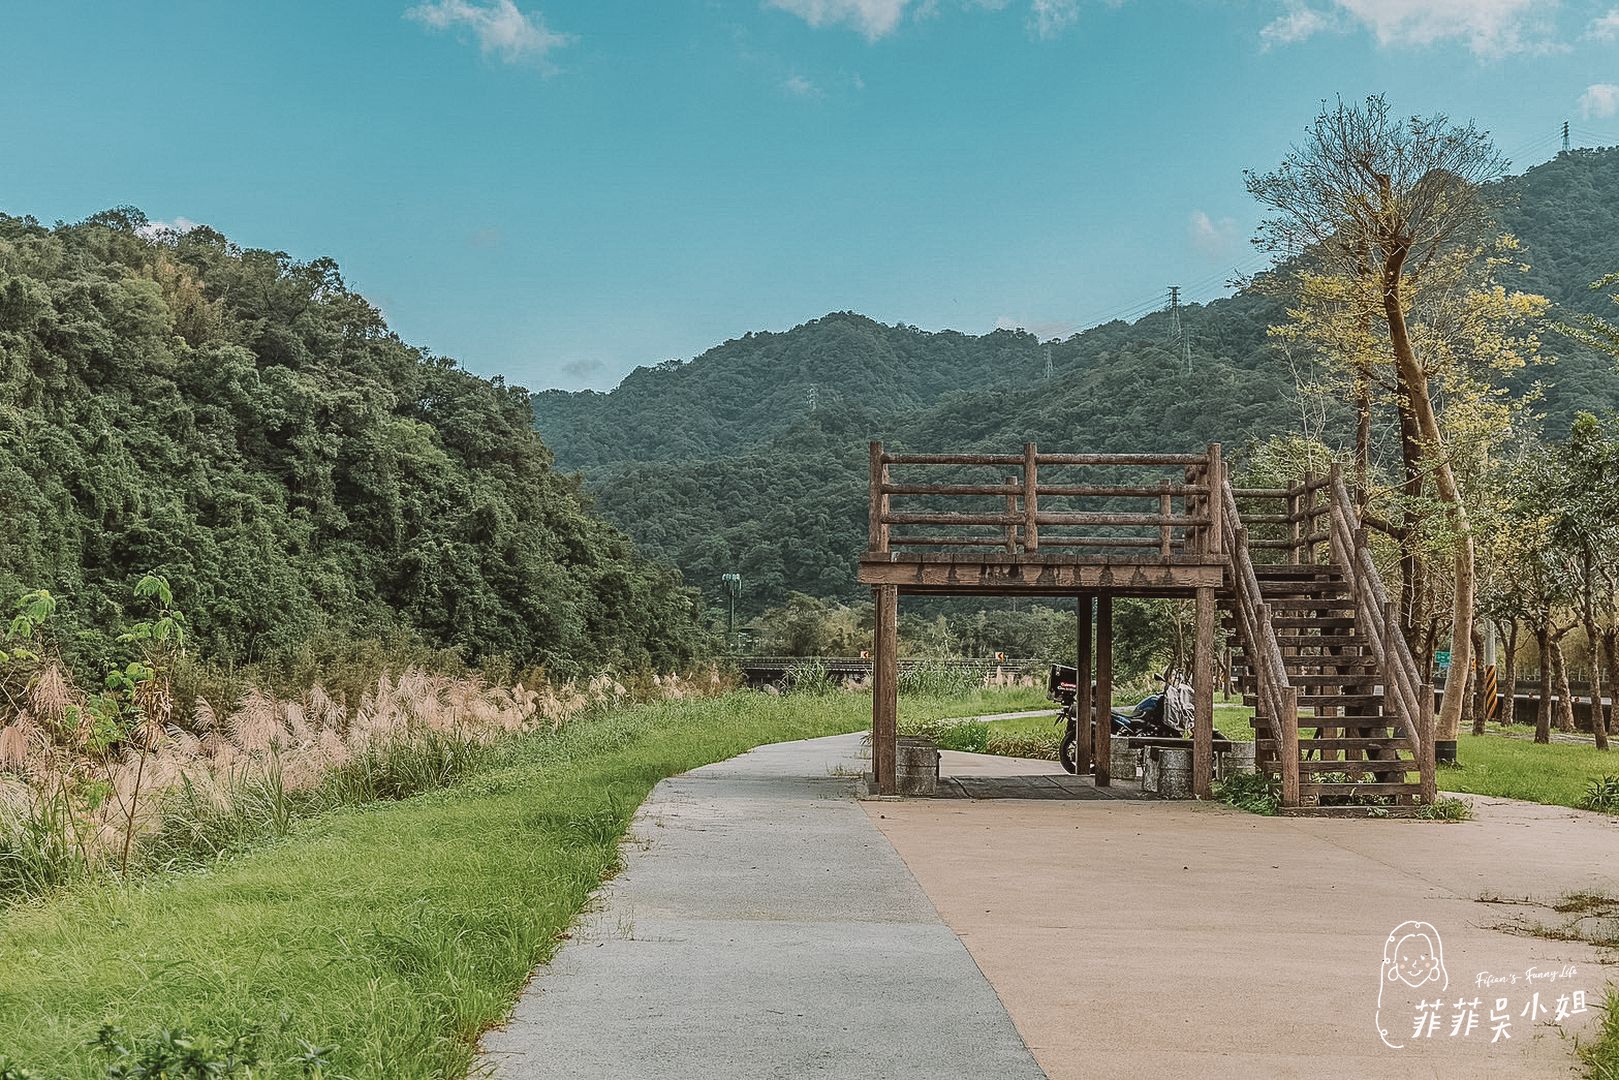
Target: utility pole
<point>733,586</point>
<point>1177,333</point>
<point>1565,136</point>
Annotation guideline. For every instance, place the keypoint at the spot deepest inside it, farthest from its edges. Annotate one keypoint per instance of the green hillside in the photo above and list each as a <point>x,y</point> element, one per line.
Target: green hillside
<point>752,456</point>
<point>251,428</point>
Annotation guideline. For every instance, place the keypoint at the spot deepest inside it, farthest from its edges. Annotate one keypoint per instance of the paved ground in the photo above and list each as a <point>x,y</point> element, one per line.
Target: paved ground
<point>762,928</point>
<point>765,927</point>
<point>1147,939</point>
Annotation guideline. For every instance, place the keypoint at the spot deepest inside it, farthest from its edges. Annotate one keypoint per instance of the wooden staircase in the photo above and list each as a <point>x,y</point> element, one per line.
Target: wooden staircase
<point>1340,723</point>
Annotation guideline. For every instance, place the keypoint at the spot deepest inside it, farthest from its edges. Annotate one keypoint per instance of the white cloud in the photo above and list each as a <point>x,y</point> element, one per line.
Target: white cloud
<point>1600,101</point>
<point>1048,18</point>
<point>800,87</point>
<point>879,18</point>
<point>152,230</point>
<point>1297,23</point>
<point>499,26</point>
<point>1604,27</point>
<point>1489,27</point>
<point>873,18</point>
<point>1212,237</point>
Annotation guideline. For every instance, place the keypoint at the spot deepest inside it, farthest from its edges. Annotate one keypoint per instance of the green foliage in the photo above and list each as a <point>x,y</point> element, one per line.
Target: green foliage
<point>808,677</point>
<point>1036,745</point>
<point>1602,793</point>
<point>719,465</point>
<point>1250,792</point>
<point>251,430</point>
<point>1446,808</point>
<point>941,680</point>
<point>403,982</point>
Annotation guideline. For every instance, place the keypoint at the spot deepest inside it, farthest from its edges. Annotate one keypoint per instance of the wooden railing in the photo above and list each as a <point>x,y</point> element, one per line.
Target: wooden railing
<point>1040,502</point>
<point>1305,507</point>
<point>1278,699</point>
<point>1378,620</point>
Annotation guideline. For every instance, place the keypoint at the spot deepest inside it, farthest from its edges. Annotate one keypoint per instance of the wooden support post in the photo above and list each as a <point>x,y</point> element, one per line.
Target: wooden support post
<point>1103,705</point>
<point>1308,524</point>
<point>885,691</point>
<point>1203,698</point>
<point>1011,511</point>
<point>879,501</point>
<point>1082,686</point>
<point>1293,507</point>
<point>1031,501</point>
<point>1165,509</point>
<point>1216,504</point>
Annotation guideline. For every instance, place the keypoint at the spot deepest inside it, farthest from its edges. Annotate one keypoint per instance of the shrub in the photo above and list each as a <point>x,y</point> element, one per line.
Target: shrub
<point>1446,808</point>
<point>971,736</point>
<point>1250,792</point>
<point>808,677</point>
<point>1041,747</point>
<point>937,679</point>
<point>1602,794</point>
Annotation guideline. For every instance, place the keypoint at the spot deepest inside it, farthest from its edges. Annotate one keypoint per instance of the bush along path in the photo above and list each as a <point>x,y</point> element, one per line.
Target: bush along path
<point>373,941</point>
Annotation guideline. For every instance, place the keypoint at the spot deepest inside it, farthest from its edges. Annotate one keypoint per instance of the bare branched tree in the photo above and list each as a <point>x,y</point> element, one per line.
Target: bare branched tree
<point>1368,193</point>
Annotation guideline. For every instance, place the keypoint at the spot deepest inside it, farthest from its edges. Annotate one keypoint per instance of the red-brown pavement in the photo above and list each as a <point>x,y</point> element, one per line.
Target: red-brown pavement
<point>1142,939</point>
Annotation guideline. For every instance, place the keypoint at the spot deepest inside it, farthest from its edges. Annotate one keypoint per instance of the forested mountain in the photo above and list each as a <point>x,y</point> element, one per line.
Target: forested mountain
<point>752,456</point>
<point>249,427</point>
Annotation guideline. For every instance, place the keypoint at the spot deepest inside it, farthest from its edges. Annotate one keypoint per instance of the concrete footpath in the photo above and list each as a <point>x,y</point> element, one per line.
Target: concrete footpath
<point>762,928</point>
<point>769,925</point>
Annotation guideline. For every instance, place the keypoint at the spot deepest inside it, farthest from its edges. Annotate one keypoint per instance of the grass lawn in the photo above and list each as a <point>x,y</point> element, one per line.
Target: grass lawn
<point>1522,769</point>
<point>396,932</point>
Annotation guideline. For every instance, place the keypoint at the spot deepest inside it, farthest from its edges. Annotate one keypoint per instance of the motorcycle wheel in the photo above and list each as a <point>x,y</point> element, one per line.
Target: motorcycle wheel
<point>1067,751</point>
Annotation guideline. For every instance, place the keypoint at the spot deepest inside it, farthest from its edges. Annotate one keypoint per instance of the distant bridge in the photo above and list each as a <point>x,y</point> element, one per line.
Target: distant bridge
<point>771,670</point>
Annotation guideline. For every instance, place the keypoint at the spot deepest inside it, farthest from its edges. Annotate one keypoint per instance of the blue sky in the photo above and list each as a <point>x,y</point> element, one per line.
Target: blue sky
<point>561,190</point>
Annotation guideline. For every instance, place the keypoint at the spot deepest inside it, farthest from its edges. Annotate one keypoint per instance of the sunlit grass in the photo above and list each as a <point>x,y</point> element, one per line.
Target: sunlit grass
<point>1558,774</point>
<point>395,931</point>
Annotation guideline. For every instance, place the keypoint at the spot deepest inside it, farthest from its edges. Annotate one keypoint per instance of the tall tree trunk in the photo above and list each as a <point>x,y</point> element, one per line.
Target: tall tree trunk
<point>1363,435</point>
<point>1543,711</point>
<point>1565,700</point>
<point>1599,722</point>
<point>1414,380</point>
<point>1509,676</point>
<point>1610,653</point>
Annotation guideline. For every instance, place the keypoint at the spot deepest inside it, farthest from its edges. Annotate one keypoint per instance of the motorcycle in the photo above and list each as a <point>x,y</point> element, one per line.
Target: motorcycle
<point>1164,715</point>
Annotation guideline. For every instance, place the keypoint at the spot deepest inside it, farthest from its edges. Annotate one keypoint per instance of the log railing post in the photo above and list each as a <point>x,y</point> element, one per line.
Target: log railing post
<point>1011,512</point>
<point>1293,503</point>
<point>1214,482</point>
<point>879,500</point>
<point>1031,501</point>
<point>1165,508</point>
<point>1288,730</point>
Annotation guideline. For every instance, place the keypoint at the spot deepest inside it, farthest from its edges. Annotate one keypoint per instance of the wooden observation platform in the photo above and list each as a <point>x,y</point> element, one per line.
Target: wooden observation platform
<point>1317,634</point>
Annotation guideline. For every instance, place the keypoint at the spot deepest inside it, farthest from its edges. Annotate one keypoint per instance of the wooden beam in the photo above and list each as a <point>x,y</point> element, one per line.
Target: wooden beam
<point>885,691</point>
<point>1031,498</point>
<point>944,573</point>
<point>1203,698</point>
<point>1082,685</point>
<point>879,502</point>
<point>1104,690</point>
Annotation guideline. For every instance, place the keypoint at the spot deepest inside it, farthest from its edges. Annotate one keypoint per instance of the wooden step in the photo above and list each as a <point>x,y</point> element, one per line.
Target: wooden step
<point>1311,603</point>
<point>1327,641</point>
<point>1286,571</point>
<point>1373,788</point>
<point>1306,622</point>
<point>1361,767</point>
<point>1355,745</point>
<point>1334,678</point>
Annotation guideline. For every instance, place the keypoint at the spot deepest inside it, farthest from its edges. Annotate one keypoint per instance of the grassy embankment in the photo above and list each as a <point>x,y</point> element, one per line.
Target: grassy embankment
<point>1558,774</point>
<point>393,932</point>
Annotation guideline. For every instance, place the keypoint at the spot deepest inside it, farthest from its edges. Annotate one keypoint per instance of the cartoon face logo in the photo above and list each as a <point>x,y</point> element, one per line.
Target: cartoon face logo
<point>1412,955</point>
<point>1414,958</point>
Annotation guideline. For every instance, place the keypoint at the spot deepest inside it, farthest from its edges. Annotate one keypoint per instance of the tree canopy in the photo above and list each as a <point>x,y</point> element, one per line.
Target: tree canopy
<point>250,428</point>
